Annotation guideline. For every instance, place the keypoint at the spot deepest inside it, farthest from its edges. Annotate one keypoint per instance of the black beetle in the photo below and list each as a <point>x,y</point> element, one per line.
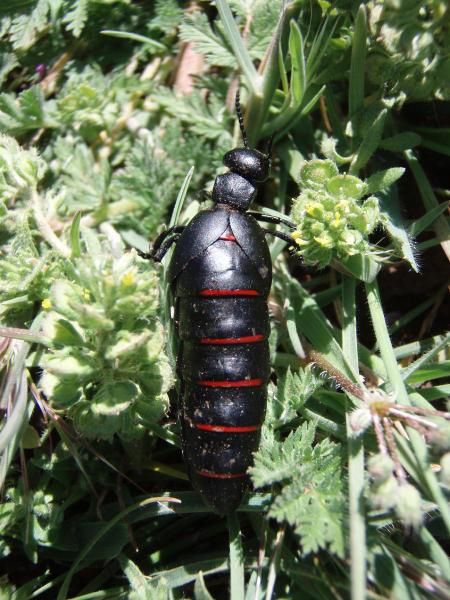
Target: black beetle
<point>220,276</point>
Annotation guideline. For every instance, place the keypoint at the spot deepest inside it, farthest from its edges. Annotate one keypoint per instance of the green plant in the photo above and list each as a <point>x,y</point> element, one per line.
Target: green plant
<point>106,130</point>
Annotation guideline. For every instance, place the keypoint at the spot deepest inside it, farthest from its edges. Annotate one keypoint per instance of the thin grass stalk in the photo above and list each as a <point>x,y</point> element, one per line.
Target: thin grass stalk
<point>237,587</point>
<point>358,549</point>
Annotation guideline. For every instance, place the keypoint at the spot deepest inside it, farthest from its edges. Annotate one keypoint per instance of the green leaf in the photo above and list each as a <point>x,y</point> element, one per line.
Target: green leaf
<point>311,498</point>
<point>364,268</point>
<point>188,572</point>
<point>136,578</point>
<point>437,139</point>
<point>414,374</point>
<point>62,331</point>
<point>418,371</point>
<point>310,100</point>
<point>196,29</point>
<point>75,236</point>
<point>200,589</point>
<point>357,67</point>
<point>113,398</point>
<point>26,28</point>
<point>295,388</point>
<point>428,219</point>
<point>401,142</point>
<point>298,66</point>
<point>77,17</point>
<point>283,71</point>
<point>23,114</point>
<point>237,587</point>
<point>143,588</point>
<point>126,35</point>
<point>312,323</point>
<point>392,222</point>
<point>276,462</point>
<point>429,200</point>
<point>30,438</point>
<point>369,144</point>
<point>383,179</point>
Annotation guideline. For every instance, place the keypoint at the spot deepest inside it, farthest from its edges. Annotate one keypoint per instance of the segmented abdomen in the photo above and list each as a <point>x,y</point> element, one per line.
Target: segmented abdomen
<point>223,326</point>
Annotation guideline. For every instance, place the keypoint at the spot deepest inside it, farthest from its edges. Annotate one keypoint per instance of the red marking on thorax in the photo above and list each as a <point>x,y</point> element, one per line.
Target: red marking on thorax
<point>226,384</point>
<point>246,339</point>
<point>227,428</point>
<point>220,475</point>
<point>229,293</point>
<point>228,237</point>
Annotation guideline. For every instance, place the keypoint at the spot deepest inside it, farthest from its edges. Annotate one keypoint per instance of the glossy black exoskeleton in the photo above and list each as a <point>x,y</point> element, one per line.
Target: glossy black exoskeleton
<point>220,275</point>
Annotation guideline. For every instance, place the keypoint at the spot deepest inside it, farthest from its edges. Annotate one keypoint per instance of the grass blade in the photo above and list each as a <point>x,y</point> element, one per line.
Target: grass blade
<point>237,591</point>
<point>357,71</point>
<point>356,480</point>
<point>237,44</point>
<point>75,236</point>
<point>135,37</point>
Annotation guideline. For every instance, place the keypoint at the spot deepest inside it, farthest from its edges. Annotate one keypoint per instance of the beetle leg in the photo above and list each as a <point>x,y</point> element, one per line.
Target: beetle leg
<point>162,244</point>
<point>272,219</point>
<point>280,235</point>
<point>159,253</point>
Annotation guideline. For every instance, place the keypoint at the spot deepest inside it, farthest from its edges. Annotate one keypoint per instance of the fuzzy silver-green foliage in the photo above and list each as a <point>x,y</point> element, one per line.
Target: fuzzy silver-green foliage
<point>107,368</point>
<point>20,169</point>
<point>25,274</point>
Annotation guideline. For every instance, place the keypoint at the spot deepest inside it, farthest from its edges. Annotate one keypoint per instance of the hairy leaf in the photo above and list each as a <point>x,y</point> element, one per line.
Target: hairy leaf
<point>311,494</point>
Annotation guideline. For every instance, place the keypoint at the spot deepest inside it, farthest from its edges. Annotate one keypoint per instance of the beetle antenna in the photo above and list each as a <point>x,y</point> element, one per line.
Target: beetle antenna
<point>241,119</point>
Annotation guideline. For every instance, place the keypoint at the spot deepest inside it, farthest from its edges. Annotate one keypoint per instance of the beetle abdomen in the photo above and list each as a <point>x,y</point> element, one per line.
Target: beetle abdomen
<point>223,324</point>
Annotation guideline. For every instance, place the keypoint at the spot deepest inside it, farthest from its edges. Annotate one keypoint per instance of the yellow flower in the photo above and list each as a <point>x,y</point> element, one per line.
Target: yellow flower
<point>128,279</point>
<point>46,304</point>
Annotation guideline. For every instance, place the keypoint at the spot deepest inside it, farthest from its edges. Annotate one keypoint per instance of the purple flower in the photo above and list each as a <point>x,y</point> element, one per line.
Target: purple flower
<point>41,70</point>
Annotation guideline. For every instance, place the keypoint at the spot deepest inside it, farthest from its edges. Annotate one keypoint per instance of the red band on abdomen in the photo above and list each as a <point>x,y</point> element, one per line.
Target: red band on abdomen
<point>227,238</point>
<point>246,339</point>
<point>227,428</point>
<point>229,293</point>
<point>220,475</point>
<point>226,383</point>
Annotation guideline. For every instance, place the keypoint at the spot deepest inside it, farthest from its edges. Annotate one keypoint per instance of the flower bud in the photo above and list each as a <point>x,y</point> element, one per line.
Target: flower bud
<point>315,173</point>
<point>384,496</point>
<point>360,420</point>
<point>407,505</point>
<point>380,467</point>
<point>440,437</point>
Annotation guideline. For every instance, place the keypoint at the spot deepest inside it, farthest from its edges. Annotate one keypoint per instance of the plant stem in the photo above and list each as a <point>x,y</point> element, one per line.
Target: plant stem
<point>237,588</point>
<point>394,375</point>
<point>355,453</point>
